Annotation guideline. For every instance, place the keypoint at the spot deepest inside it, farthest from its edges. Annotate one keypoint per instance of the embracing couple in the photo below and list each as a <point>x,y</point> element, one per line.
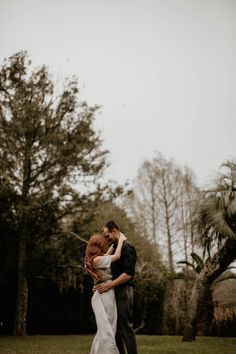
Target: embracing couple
<point>110,260</point>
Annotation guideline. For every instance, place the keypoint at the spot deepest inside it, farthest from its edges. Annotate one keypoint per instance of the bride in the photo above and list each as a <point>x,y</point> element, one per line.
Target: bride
<point>98,259</point>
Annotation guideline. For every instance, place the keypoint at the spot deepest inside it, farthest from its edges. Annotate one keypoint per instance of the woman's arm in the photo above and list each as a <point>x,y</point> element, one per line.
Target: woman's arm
<point>110,250</point>
<point>116,255</point>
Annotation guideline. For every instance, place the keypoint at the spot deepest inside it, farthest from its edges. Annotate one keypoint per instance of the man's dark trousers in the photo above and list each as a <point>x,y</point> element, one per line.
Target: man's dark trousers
<point>125,336</point>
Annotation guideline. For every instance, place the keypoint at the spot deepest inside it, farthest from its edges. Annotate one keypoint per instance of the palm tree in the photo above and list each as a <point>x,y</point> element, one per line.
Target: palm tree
<point>207,311</point>
<point>216,225</point>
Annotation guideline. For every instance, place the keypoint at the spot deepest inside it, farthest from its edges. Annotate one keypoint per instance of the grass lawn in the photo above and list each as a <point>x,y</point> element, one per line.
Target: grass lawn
<point>80,344</point>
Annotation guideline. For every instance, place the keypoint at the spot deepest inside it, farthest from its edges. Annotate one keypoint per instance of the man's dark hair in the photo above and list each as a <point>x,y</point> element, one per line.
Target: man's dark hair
<point>110,225</point>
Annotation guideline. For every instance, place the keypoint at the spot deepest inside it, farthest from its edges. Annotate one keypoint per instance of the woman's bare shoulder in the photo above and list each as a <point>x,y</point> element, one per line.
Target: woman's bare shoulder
<point>96,260</point>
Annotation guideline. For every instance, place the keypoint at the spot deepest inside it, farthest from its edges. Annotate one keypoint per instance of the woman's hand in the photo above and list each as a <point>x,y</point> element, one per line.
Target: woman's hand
<point>122,237</point>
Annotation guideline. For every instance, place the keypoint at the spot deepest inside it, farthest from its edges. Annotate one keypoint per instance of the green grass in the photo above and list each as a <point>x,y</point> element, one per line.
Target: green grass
<point>78,344</point>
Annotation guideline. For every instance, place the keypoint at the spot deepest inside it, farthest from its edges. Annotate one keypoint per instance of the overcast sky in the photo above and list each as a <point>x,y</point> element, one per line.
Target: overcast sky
<point>164,72</point>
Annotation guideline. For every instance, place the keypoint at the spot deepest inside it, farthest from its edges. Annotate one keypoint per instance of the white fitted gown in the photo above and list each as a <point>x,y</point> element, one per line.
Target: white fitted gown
<point>104,307</point>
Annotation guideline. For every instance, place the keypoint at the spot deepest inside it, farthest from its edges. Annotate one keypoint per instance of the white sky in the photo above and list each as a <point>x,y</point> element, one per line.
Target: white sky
<point>164,72</point>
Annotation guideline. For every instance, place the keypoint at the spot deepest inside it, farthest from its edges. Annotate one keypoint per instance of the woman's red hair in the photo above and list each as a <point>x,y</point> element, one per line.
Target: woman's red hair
<point>97,246</point>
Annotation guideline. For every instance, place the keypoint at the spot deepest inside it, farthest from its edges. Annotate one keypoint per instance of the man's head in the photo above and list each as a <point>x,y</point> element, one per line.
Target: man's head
<point>111,231</point>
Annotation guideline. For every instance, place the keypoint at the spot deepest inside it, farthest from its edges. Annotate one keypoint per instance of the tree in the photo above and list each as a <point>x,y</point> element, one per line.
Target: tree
<point>147,197</point>
<point>187,202</point>
<point>47,144</point>
<point>216,225</point>
<point>163,198</point>
<point>150,271</point>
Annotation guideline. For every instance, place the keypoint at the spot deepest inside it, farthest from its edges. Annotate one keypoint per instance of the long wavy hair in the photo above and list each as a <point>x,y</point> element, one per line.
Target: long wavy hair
<point>97,246</point>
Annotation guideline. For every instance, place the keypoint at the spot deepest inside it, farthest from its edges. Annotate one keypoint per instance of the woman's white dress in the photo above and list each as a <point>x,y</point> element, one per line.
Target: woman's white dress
<point>104,307</point>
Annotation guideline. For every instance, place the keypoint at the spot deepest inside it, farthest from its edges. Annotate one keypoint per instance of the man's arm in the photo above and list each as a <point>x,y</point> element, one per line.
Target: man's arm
<point>103,287</point>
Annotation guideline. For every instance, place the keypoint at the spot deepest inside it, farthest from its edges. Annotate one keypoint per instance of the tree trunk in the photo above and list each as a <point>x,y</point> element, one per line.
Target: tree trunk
<point>167,206</point>
<point>22,292</point>
<point>206,317</point>
<point>169,237</point>
<point>170,253</point>
<point>210,272</point>
<point>153,215</point>
<point>22,284</point>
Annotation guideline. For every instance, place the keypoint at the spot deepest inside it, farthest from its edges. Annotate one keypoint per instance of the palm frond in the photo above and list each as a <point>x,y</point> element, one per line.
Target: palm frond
<point>215,218</point>
<point>186,263</point>
<point>199,260</point>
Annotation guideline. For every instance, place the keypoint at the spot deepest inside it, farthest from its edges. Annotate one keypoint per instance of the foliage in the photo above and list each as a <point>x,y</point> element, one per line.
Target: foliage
<point>215,223</point>
<point>224,321</point>
<point>215,219</point>
<point>48,146</point>
<point>177,291</point>
<point>198,262</point>
<point>224,297</point>
<point>150,272</point>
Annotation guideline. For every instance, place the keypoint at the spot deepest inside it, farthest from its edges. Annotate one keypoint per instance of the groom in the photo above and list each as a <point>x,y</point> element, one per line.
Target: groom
<point>123,272</point>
